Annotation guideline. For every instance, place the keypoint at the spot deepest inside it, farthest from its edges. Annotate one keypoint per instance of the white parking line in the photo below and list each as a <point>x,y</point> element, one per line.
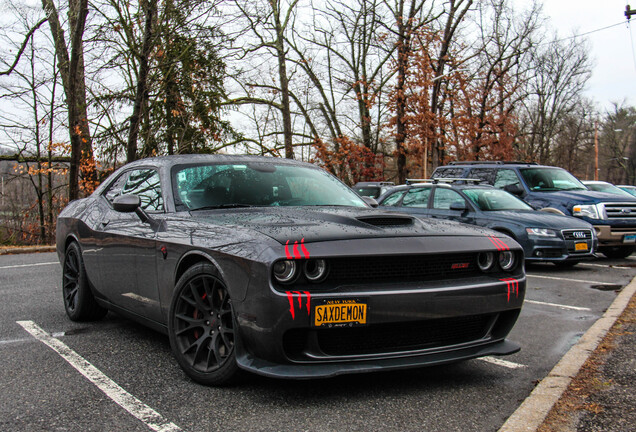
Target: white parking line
<point>560,306</point>
<point>569,280</point>
<point>29,265</point>
<point>500,362</point>
<point>603,265</point>
<point>121,397</point>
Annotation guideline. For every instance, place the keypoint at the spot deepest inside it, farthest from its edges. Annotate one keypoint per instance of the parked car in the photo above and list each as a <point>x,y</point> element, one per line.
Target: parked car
<point>629,189</point>
<point>601,186</point>
<point>276,267</point>
<point>544,237</point>
<point>555,190</point>
<point>372,189</point>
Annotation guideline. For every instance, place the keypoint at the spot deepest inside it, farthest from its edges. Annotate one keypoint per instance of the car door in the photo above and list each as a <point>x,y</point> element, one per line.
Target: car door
<point>443,202</point>
<point>128,245</point>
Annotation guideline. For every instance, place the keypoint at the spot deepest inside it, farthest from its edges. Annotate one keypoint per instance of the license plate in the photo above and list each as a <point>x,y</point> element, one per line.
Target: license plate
<point>340,313</point>
<point>629,238</point>
<point>582,246</point>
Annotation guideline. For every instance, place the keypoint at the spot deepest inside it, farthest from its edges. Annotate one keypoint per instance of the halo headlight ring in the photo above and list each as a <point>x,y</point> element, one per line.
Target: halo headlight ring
<point>485,261</point>
<point>285,271</point>
<point>507,260</point>
<point>316,270</point>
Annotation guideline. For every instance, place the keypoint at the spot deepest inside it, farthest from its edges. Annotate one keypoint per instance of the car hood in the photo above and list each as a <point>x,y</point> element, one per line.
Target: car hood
<point>584,197</point>
<point>315,224</point>
<point>538,219</point>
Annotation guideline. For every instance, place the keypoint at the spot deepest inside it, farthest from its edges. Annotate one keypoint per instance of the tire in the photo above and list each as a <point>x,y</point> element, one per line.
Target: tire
<point>201,327</point>
<point>616,251</point>
<point>79,302</point>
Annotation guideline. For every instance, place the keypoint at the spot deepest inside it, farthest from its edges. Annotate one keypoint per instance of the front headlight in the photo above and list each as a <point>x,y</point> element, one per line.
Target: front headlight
<point>506,260</point>
<point>285,271</point>
<point>590,211</point>
<point>541,232</point>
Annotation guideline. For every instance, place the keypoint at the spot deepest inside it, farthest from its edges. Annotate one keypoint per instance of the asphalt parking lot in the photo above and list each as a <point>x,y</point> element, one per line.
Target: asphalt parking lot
<point>125,377</point>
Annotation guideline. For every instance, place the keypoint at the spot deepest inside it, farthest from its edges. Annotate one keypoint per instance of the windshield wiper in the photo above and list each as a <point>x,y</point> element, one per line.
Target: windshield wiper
<point>222,206</point>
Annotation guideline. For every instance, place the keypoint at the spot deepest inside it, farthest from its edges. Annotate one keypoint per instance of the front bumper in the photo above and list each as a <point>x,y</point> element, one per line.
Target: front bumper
<point>614,236</point>
<point>459,320</point>
<point>556,249</point>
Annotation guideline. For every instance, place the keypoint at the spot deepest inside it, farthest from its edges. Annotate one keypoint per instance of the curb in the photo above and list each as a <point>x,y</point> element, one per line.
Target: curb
<point>533,411</point>
<point>25,249</point>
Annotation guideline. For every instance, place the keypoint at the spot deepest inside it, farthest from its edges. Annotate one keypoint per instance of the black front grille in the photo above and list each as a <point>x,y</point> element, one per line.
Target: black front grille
<point>403,268</point>
<point>387,221</point>
<point>386,338</point>
<point>577,234</point>
<point>620,210</point>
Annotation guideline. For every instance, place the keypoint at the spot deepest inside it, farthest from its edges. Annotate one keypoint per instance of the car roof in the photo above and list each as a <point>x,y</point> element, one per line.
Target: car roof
<point>181,159</point>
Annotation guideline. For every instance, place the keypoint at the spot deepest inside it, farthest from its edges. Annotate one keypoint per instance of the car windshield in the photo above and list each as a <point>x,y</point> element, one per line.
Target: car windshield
<point>495,199</point>
<point>208,186</point>
<point>609,188</point>
<point>550,179</point>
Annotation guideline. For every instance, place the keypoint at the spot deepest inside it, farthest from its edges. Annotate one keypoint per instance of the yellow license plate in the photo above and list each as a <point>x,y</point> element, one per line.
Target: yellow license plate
<point>580,246</point>
<point>340,312</point>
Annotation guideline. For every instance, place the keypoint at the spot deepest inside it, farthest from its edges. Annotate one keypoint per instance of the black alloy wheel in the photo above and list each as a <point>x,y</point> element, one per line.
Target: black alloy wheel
<point>79,302</point>
<point>202,327</point>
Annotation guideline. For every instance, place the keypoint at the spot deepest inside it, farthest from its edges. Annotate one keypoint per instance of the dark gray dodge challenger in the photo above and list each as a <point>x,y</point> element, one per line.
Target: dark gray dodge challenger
<point>276,267</point>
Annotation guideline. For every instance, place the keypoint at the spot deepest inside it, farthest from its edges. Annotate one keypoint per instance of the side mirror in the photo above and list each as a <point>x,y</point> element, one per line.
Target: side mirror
<point>126,203</point>
<point>459,206</point>
<point>514,189</point>
<point>371,201</point>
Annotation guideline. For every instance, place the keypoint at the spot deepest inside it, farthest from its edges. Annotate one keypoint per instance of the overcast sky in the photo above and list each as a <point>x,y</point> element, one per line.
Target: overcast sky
<point>613,50</point>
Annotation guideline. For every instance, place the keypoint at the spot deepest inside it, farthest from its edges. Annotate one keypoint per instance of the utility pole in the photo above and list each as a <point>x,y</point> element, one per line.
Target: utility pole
<point>596,168</point>
<point>629,12</point>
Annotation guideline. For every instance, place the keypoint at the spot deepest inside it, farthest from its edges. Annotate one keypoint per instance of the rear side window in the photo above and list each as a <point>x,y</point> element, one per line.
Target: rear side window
<point>445,197</point>
<point>448,172</point>
<point>506,177</point>
<point>486,174</point>
<point>417,198</point>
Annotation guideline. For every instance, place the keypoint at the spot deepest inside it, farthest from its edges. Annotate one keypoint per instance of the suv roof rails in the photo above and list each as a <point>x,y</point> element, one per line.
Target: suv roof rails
<point>437,180</point>
<point>492,163</point>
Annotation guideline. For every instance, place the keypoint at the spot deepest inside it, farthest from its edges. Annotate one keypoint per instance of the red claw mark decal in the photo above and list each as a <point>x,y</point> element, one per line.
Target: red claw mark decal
<point>499,244</point>
<point>299,295</point>
<point>303,253</point>
<point>513,286</point>
<point>303,248</point>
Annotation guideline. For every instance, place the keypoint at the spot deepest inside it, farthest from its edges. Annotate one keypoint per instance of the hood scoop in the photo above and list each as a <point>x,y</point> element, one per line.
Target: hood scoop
<point>386,221</point>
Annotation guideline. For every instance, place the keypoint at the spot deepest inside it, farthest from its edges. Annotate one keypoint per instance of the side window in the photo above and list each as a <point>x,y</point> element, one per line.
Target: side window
<point>393,199</point>
<point>417,197</point>
<point>506,177</point>
<point>486,174</point>
<point>146,184</point>
<point>445,197</point>
<point>115,188</point>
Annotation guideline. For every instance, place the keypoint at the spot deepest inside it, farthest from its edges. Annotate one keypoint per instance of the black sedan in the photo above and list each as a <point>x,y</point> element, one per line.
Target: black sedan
<point>545,237</point>
<point>276,267</point>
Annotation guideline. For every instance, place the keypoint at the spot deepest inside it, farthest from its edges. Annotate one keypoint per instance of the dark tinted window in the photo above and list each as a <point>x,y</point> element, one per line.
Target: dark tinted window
<point>487,174</point>
<point>448,172</point>
<point>506,177</point>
